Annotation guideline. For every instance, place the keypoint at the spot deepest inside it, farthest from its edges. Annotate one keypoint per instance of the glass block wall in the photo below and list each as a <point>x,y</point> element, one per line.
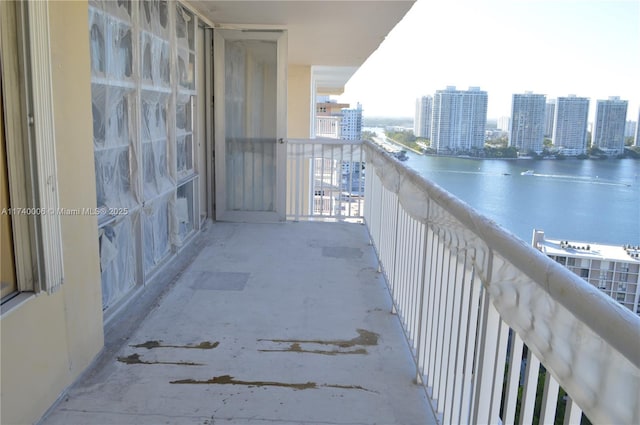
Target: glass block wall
<point>143,100</point>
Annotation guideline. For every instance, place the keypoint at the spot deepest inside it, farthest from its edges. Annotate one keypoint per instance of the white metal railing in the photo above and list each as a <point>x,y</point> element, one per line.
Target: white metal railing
<point>325,179</point>
<point>482,310</point>
<point>328,127</point>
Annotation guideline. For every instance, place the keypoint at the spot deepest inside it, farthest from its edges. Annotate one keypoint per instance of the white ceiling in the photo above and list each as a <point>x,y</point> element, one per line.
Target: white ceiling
<point>330,33</point>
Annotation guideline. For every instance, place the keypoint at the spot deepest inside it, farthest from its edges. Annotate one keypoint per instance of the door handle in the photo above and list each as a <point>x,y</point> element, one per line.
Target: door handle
<point>281,140</point>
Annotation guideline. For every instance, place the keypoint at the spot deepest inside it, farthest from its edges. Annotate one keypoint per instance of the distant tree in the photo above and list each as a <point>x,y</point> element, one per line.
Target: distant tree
<point>628,141</point>
<point>368,135</point>
<point>547,143</point>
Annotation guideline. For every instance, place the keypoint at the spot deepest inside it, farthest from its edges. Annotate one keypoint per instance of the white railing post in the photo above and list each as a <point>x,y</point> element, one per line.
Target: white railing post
<point>549,399</point>
<point>513,378</point>
<point>572,413</point>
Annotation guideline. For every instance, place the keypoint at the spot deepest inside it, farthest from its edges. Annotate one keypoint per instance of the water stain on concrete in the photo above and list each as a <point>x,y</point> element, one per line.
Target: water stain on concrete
<point>230,380</point>
<point>135,359</point>
<point>206,345</point>
<point>366,338</point>
<point>296,348</point>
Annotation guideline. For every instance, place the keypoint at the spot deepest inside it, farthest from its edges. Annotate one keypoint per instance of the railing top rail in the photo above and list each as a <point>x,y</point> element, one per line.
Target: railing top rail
<point>618,326</point>
<point>324,141</point>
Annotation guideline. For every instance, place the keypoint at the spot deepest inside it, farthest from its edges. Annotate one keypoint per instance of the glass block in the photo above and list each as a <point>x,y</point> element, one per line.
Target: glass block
<point>99,108</point>
<point>185,25</point>
<point>184,152</point>
<point>186,69</point>
<point>156,232</point>
<point>97,36</point>
<point>113,187</point>
<point>118,259</point>
<point>154,165</point>
<point>154,115</point>
<point>184,114</point>
<point>121,55</point>
<point>155,17</point>
<point>118,116</point>
<point>184,210</point>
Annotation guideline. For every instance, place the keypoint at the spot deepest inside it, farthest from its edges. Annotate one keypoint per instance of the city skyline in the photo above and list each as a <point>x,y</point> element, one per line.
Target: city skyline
<point>555,48</point>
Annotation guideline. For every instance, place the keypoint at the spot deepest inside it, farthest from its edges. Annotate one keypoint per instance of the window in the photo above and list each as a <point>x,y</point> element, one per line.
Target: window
<point>29,139</point>
<point>571,261</point>
<point>144,101</point>
<point>584,273</point>
<point>562,260</point>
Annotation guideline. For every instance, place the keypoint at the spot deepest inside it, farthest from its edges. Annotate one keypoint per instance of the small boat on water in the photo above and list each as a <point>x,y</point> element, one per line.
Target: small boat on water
<point>527,173</point>
<point>402,155</point>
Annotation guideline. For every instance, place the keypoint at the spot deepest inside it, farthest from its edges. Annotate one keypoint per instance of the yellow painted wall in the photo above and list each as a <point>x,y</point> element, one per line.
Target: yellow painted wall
<point>299,101</point>
<point>299,122</point>
<point>48,341</point>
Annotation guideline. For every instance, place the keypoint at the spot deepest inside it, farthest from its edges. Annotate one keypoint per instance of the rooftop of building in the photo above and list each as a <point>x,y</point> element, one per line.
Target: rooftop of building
<point>621,253</point>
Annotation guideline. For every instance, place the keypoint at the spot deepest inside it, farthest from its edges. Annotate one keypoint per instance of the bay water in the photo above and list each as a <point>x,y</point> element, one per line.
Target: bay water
<point>590,200</point>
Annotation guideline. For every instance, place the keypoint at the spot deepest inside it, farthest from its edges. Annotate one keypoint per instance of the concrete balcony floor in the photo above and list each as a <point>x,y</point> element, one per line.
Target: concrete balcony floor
<point>270,323</point>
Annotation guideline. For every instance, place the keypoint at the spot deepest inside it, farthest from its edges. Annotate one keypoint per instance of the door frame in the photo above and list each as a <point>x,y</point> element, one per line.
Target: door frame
<point>221,212</point>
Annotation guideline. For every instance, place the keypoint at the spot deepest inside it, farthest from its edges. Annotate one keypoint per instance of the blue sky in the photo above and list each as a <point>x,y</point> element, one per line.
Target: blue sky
<point>589,48</point>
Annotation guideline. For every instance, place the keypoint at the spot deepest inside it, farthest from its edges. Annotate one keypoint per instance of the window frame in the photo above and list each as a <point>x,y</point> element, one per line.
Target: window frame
<point>30,144</point>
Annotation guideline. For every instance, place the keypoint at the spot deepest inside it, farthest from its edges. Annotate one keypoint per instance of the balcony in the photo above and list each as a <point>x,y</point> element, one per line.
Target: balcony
<point>328,127</point>
<point>427,313</point>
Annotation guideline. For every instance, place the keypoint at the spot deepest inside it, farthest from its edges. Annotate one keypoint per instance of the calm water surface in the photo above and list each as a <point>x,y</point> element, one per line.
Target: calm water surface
<point>582,200</point>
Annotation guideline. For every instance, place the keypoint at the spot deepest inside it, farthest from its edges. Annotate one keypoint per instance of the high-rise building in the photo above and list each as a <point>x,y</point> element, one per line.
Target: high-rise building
<point>630,129</point>
<point>608,134</point>
<point>570,127</point>
<point>503,123</point>
<point>422,121</point>
<point>527,122</point>
<point>351,123</point>
<point>615,270</point>
<point>459,119</point>
<point>549,115</point>
<point>637,143</point>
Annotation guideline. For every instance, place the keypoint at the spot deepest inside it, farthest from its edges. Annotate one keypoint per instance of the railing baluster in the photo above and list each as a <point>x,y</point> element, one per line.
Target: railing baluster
<point>439,348</point>
<point>572,413</point>
<point>529,389</point>
<point>449,343</point>
<point>473,316</point>
<point>549,400</point>
<point>513,378</point>
<point>433,308</point>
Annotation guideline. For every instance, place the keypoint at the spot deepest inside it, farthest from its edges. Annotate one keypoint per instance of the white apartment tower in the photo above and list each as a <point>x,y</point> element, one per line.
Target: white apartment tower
<point>459,119</point>
<point>637,143</point>
<point>503,123</point>
<point>422,120</point>
<point>615,270</point>
<point>527,122</point>
<point>608,132</point>
<point>571,121</point>
<point>630,129</point>
<point>549,115</point>
<point>351,123</point>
